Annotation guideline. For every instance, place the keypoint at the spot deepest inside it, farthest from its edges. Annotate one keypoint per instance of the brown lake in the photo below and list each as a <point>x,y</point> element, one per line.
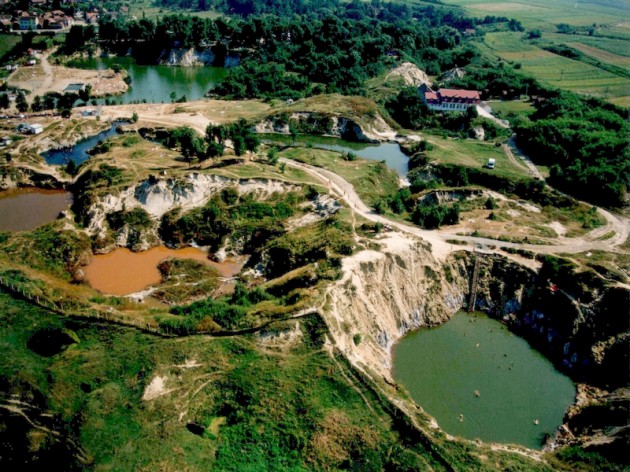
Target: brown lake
<point>122,272</point>
<point>27,208</point>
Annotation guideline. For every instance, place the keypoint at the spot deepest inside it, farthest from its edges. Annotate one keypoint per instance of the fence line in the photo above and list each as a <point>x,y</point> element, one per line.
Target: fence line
<point>58,307</point>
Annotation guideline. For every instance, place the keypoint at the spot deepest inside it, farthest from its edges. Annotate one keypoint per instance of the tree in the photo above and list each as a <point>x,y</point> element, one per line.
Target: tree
<point>4,101</point>
<point>134,117</point>
<point>239,145</point>
<point>214,149</point>
<point>37,104</point>
<point>21,103</point>
<point>85,93</point>
<point>71,167</point>
<point>190,142</point>
<point>272,156</point>
<point>534,34</point>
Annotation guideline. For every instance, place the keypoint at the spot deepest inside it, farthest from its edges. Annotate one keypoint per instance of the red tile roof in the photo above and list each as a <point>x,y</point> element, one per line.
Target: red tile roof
<point>430,95</point>
<point>465,94</point>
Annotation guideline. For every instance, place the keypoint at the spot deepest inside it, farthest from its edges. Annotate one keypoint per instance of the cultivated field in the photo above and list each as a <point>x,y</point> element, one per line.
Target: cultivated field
<point>545,14</point>
<point>556,70</point>
<point>605,47</point>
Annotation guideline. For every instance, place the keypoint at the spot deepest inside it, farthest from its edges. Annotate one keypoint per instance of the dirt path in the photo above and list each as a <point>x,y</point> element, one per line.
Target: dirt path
<point>533,170</point>
<point>441,248</point>
<point>46,84</point>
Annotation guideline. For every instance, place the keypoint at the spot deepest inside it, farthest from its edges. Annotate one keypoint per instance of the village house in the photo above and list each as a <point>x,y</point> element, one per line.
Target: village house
<point>451,99</point>
<point>28,21</point>
<point>56,20</point>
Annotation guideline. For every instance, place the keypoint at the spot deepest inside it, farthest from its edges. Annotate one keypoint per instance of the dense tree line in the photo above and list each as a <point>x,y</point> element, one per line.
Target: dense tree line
<point>585,142</point>
<point>497,81</point>
<point>288,46</point>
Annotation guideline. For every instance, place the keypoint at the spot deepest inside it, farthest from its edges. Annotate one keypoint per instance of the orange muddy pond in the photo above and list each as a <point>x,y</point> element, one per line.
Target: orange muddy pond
<point>122,272</point>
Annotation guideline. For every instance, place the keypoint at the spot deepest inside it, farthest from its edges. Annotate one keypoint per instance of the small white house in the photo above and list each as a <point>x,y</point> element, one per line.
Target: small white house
<point>6,141</point>
<point>491,163</point>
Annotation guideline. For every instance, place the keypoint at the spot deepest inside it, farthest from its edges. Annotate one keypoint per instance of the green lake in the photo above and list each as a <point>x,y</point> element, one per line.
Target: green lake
<point>156,83</point>
<point>478,380</point>
<point>389,153</point>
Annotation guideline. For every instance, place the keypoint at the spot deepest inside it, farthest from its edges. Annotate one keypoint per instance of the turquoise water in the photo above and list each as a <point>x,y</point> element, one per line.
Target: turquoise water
<point>156,83</point>
<point>444,367</point>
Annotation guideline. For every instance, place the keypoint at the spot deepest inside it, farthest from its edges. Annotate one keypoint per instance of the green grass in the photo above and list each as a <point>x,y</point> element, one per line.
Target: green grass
<point>516,107</point>
<point>609,50</point>
<point>371,180</point>
<point>146,8</point>
<point>7,43</point>
<point>265,409</point>
<point>474,154</point>
<point>555,70</point>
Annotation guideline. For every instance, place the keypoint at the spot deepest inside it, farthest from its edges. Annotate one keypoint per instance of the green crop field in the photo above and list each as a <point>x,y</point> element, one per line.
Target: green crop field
<point>609,44</point>
<point>545,14</point>
<point>556,70</point>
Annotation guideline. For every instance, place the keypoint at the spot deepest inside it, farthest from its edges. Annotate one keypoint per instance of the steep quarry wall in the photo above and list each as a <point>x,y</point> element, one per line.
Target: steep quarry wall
<point>159,196</point>
<point>384,294</point>
<point>198,57</point>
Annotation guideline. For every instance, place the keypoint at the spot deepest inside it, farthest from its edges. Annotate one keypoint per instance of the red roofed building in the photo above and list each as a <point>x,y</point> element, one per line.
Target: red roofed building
<point>451,99</point>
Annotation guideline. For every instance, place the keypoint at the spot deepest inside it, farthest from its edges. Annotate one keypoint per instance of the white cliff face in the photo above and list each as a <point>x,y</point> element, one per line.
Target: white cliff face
<point>383,295</point>
<point>378,130</point>
<point>193,57</point>
<point>159,196</point>
<point>187,57</point>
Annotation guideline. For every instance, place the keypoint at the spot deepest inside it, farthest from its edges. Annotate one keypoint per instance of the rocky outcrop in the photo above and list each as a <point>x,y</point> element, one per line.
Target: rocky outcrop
<point>22,176</point>
<point>326,125</point>
<point>384,294</point>
<point>411,75</point>
<point>194,57</point>
<point>441,197</point>
<point>158,196</point>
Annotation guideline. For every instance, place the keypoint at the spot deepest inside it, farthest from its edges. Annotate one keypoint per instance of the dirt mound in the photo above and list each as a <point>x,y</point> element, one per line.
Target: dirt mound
<point>411,74</point>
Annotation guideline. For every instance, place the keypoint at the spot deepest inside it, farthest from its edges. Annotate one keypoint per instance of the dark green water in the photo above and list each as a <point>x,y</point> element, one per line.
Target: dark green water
<point>156,83</point>
<point>394,158</point>
<point>443,367</point>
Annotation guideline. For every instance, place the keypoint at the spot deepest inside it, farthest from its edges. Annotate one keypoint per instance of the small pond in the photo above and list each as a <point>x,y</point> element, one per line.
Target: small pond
<point>154,83</point>
<point>478,380</point>
<point>122,272</point>
<point>79,152</point>
<point>394,158</point>
<point>27,209</point>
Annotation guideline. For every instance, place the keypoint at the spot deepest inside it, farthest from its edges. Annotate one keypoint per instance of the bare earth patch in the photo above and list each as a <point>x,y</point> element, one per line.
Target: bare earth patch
<point>156,389</point>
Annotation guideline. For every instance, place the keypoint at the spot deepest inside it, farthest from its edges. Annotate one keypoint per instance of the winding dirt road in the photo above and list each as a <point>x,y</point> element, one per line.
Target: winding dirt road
<point>439,238</point>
